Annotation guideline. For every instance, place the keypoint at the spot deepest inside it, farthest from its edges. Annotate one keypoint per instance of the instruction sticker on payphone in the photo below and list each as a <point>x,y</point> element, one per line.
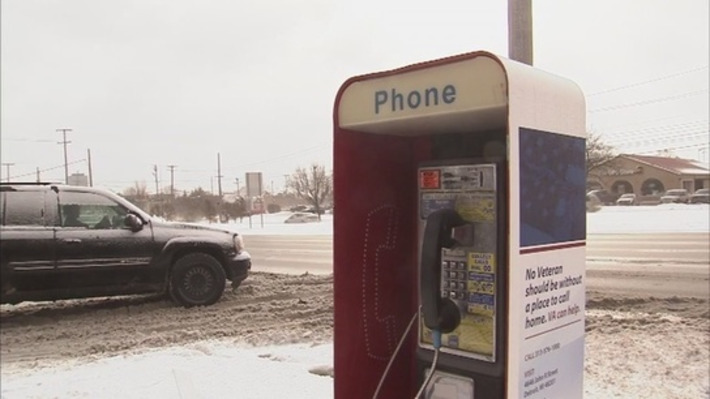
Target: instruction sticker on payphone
<point>468,268</point>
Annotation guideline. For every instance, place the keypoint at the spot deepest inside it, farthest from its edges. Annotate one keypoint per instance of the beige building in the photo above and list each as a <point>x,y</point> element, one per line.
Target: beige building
<point>646,175</point>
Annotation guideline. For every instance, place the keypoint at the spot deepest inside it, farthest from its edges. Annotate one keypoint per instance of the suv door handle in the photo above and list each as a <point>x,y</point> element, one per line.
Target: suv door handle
<point>72,240</point>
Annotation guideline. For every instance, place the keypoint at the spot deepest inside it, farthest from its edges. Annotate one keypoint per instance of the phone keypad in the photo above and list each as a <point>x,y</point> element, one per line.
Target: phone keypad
<point>454,279</point>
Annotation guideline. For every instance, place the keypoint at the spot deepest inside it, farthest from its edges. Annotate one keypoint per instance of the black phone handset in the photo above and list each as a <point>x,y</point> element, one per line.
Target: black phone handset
<point>441,315</point>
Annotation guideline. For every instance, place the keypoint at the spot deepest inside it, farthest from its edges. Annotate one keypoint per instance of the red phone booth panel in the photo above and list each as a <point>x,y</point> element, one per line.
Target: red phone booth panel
<point>375,254</point>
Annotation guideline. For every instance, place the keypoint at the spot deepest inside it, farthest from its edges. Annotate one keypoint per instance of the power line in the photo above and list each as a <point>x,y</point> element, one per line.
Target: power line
<point>27,140</point>
<point>685,136</point>
<point>48,169</point>
<point>685,147</point>
<point>652,101</point>
<point>282,156</point>
<point>219,174</point>
<point>642,125</point>
<point>7,167</point>
<point>658,79</point>
<point>172,179</point>
<point>155,175</point>
<point>65,142</point>
<point>676,134</point>
<point>658,140</point>
<point>664,131</point>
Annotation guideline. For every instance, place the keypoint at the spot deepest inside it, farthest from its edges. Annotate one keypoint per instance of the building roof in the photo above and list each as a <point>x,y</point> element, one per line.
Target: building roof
<point>677,166</point>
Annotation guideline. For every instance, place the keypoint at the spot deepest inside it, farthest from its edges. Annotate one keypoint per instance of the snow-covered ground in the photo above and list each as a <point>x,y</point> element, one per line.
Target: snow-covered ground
<point>666,218</point>
<point>202,370</point>
<point>652,356</point>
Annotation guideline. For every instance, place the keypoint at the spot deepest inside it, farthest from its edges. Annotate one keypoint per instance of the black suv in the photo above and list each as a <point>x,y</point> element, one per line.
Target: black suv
<point>60,242</point>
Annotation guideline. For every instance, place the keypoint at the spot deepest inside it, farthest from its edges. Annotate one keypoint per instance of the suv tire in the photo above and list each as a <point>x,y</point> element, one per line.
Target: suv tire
<point>197,279</point>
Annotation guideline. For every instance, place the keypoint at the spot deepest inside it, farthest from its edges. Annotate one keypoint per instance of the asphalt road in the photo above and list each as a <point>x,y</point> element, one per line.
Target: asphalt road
<point>656,265</point>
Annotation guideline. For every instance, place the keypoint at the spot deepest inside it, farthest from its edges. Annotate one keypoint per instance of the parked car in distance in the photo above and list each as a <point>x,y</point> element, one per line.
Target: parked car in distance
<point>593,203</point>
<point>676,195</point>
<point>606,197</point>
<point>61,242</point>
<point>302,217</point>
<point>627,199</point>
<point>700,196</point>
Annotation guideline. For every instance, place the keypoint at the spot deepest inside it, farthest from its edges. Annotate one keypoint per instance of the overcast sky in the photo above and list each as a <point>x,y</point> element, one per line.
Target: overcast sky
<point>174,82</point>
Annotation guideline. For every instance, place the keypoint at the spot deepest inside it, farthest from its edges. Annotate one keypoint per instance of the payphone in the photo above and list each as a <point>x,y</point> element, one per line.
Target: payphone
<point>462,270</point>
<point>459,186</point>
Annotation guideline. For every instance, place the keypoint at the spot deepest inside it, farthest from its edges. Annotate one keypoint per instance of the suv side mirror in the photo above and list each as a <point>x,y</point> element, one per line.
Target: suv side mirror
<point>133,222</point>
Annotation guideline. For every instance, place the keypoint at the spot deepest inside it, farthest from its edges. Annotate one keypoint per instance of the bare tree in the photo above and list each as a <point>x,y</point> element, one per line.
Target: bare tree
<point>139,191</point>
<point>598,154</point>
<point>312,185</point>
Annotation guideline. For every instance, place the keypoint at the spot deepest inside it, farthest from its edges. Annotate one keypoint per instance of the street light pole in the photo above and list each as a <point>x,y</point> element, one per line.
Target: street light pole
<point>520,34</point>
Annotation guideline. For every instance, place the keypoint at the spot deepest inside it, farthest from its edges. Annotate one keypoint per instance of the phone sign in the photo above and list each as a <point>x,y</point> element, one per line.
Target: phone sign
<point>429,179</point>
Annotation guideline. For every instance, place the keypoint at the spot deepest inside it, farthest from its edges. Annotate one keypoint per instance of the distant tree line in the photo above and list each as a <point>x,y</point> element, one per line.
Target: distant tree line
<point>312,186</point>
<point>196,205</point>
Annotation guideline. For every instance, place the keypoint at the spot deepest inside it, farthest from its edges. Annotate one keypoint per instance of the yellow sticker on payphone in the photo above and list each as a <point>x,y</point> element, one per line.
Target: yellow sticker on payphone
<point>482,262</point>
<point>481,283</point>
<point>476,208</point>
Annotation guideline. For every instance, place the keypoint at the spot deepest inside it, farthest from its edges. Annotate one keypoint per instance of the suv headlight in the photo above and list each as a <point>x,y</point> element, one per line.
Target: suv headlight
<point>238,242</point>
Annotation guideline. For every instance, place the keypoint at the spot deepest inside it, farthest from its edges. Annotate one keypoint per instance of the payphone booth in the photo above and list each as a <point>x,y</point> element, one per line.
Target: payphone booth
<point>459,232</point>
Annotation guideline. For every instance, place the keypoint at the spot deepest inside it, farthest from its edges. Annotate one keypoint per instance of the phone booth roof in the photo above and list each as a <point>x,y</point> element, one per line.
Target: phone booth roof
<point>472,91</point>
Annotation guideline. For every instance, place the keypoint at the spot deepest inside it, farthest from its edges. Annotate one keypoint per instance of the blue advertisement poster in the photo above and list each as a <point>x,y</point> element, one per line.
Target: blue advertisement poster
<point>552,188</point>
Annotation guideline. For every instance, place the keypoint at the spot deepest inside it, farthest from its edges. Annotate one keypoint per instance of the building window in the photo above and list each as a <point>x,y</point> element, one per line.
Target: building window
<point>622,187</point>
<point>652,187</point>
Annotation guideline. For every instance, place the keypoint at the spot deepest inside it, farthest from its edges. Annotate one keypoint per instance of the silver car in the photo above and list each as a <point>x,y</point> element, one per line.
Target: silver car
<point>701,196</point>
<point>627,199</point>
<point>676,195</point>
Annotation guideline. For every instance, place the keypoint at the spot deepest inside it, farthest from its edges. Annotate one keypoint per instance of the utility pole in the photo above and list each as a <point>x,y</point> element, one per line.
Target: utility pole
<point>66,162</point>
<point>38,178</point>
<point>172,179</point>
<point>219,176</point>
<point>285,183</point>
<point>91,176</point>
<point>520,33</point>
<point>237,179</point>
<point>7,168</point>
<point>155,175</point>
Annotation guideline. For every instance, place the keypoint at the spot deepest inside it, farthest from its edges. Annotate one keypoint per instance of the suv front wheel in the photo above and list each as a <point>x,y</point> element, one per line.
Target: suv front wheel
<point>197,279</point>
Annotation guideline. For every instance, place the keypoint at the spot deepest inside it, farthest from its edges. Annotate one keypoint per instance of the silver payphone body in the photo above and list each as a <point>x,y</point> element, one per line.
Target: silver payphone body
<point>461,276</point>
